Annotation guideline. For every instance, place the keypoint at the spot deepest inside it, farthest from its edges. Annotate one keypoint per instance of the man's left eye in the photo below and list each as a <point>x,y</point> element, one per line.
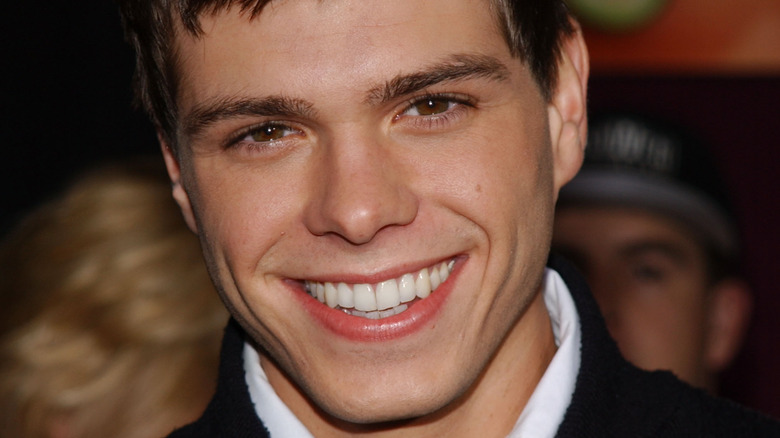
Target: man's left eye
<point>269,132</point>
<point>430,106</point>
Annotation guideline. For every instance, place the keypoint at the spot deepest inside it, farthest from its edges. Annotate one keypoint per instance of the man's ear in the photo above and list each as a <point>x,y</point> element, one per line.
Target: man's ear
<point>730,308</point>
<point>177,187</point>
<point>568,109</point>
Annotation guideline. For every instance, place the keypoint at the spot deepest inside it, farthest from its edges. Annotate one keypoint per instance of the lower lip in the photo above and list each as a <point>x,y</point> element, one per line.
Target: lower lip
<point>360,329</point>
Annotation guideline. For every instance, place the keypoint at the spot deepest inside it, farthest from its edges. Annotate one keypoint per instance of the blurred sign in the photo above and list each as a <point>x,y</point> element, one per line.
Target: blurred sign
<point>682,36</point>
<point>616,15</point>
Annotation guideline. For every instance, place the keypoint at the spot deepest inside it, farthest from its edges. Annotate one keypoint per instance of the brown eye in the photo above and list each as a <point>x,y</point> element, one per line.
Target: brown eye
<point>268,133</point>
<point>435,111</point>
<point>431,106</point>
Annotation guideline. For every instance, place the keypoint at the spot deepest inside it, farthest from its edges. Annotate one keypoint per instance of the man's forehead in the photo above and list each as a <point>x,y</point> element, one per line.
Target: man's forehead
<point>353,16</point>
<point>190,13</point>
<point>308,40</point>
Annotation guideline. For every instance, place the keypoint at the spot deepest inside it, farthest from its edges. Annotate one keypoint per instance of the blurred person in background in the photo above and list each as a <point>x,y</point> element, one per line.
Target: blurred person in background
<point>109,324</point>
<point>648,222</point>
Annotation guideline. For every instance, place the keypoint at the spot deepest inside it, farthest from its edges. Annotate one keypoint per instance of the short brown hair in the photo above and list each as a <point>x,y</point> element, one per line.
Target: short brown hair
<point>533,30</point>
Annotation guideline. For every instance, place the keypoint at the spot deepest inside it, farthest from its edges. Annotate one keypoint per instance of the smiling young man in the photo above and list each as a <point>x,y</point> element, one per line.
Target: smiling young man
<point>373,183</point>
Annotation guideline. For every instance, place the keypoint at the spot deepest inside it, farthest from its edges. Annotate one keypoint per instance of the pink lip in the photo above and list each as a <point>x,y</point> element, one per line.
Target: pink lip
<point>368,330</point>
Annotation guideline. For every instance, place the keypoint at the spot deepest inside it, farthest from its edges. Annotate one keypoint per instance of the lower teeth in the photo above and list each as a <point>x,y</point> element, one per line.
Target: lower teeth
<point>376,314</point>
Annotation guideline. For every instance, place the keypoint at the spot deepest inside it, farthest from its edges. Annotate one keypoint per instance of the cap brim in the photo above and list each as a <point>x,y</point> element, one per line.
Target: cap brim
<point>630,189</point>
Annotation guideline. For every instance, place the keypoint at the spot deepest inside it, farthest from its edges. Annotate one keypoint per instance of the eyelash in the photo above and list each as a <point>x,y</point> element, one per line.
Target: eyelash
<point>238,138</point>
<point>461,103</point>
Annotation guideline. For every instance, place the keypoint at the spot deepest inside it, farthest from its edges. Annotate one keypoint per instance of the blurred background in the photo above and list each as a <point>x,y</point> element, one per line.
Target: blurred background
<point>713,66</point>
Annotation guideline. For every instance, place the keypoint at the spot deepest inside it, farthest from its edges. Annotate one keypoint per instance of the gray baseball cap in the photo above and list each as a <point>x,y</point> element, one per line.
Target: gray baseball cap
<point>637,161</point>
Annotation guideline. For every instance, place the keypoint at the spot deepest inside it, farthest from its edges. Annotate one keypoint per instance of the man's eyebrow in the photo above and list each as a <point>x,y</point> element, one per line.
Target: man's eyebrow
<point>215,110</point>
<point>660,247</point>
<point>461,66</point>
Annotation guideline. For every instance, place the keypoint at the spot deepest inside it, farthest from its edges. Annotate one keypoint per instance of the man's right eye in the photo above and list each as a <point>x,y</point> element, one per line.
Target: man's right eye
<point>262,136</point>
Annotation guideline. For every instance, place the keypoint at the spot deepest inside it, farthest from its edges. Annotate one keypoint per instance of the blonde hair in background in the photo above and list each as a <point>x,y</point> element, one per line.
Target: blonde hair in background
<point>109,324</point>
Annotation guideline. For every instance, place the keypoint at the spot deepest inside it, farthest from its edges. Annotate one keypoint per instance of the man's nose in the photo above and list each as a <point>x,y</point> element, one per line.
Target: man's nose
<point>361,187</point>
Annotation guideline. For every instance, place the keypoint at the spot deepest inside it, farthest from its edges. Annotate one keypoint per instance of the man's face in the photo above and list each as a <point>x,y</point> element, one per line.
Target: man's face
<point>649,277</point>
<point>340,148</point>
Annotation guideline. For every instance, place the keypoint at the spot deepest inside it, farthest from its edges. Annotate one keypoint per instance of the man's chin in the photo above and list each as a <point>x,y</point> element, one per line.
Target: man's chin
<point>380,416</point>
<point>380,410</point>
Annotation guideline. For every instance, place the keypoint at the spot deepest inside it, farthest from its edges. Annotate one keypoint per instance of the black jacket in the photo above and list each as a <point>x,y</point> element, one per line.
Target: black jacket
<point>612,398</point>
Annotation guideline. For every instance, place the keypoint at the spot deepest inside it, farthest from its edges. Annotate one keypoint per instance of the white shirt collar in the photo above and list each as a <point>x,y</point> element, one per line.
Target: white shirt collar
<point>277,417</point>
<point>542,414</point>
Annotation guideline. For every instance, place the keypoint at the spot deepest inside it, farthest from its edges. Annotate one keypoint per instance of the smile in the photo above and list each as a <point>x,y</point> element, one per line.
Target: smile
<point>384,299</point>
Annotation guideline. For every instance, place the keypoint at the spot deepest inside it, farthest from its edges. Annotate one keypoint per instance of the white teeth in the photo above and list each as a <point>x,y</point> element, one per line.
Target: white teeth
<point>331,295</point>
<point>444,272</point>
<point>346,297</point>
<point>385,313</point>
<point>423,283</point>
<point>406,288</point>
<point>435,280</point>
<point>365,298</point>
<point>387,295</point>
<point>384,299</point>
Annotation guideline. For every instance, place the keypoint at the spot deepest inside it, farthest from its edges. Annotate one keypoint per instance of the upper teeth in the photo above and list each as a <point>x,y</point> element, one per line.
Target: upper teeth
<point>382,299</point>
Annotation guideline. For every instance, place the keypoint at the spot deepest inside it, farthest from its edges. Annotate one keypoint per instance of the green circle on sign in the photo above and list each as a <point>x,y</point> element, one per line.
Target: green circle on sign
<point>616,15</point>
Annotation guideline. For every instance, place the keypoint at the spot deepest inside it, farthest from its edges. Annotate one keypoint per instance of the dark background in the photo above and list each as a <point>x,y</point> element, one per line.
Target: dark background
<point>66,98</point>
<point>67,94</point>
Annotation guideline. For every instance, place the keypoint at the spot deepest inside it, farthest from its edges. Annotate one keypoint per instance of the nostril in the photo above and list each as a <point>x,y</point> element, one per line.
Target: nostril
<point>360,227</point>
